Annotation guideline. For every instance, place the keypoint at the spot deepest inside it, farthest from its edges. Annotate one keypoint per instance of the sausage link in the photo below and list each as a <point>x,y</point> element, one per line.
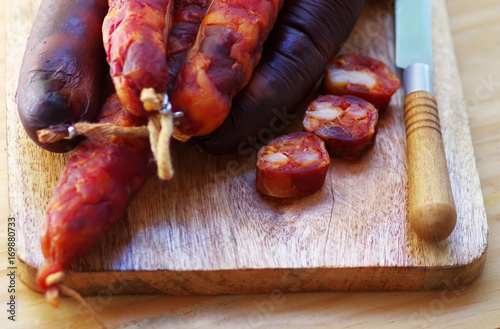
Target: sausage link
<point>99,181</point>
<point>306,36</point>
<point>221,62</point>
<point>63,72</point>
<point>134,35</point>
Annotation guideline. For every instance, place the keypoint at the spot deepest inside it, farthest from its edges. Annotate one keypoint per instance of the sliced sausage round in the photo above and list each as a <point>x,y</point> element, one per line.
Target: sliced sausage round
<point>347,124</point>
<point>361,76</point>
<point>292,165</point>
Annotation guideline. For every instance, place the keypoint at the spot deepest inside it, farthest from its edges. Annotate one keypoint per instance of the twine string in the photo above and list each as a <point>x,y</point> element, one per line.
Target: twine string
<point>160,129</point>
<point>55,286</point>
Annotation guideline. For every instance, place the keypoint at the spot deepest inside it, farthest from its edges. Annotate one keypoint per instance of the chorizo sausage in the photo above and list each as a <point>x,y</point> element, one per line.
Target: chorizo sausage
<point>306,36</point>
<point>63,72</point>
<point>292,165</point>
<point>134,36</point>
<point>361,76</point>
<point>99,181</point>
<point>221,61</point>
<point>347,124</point>
<point>187,18</point>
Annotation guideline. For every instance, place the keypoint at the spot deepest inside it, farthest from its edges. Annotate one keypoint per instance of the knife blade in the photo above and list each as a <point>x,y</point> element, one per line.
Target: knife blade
<point>432,212</point>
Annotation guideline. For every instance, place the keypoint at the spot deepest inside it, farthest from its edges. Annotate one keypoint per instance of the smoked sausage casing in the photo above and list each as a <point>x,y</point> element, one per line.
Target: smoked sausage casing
<point>99,181</point>
<point>221,62</point>
<point>187,18</point>
<point>134,36</point>
<point>63,71</point>
<point>306,36</point>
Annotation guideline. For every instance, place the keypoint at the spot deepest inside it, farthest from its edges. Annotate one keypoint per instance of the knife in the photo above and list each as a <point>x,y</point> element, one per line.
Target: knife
<point>432,213</point>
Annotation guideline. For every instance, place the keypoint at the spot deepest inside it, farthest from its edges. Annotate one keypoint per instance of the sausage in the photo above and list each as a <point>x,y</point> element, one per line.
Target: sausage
<point>347,124</point>
<point>361,76</point>
<point>221,62</point>
<point>100,179</point>
<point>63,71</point>
<point>134,36</point>
<point>292,165</point>
<point>306,36</point>
<point>187,18</point>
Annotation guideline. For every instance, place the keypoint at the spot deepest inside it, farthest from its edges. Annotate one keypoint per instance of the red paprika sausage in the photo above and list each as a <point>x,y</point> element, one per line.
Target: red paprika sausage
<point>306,36</point>
<point>187,18</point>
<point>64,68</point>
<point>347,124</point>
<point>361,76</point>
<point>221,61</point>
<point>99,181</point>
<point>293,165</point>
<point>134,34</point>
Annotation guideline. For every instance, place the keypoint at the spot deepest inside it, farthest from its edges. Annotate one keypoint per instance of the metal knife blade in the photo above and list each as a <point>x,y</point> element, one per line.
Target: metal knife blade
<point>414,44</point>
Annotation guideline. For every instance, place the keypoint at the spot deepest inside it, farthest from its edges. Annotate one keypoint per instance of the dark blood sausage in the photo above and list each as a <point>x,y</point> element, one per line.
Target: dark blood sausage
<point>134,36</point>
<point>361,76</point>
<point>221,62</point>
<point>292,165</point>
<point>63,71</point>
<point>306,36</point>
<point>187,18</point>
<point>99,181</point>
<point>347,124</point>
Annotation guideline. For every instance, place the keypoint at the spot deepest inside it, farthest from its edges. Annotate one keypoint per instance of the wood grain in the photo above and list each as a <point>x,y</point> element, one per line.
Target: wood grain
<point>209,232</point>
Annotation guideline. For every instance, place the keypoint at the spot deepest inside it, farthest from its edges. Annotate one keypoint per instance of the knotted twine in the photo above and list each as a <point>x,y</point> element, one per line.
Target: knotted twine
<point>159,130</point>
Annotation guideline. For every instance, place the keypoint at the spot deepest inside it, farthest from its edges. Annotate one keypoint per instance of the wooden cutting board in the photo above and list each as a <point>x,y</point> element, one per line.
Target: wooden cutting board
<point>208,231</point>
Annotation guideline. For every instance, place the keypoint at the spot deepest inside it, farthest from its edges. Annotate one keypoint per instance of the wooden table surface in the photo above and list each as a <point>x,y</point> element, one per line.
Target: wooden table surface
<point>476,33</point>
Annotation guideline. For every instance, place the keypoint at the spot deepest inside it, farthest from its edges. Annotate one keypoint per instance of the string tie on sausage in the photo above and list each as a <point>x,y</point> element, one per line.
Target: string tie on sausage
<point>55,286</point>
<point>160,129</point>
<point>56,133</point>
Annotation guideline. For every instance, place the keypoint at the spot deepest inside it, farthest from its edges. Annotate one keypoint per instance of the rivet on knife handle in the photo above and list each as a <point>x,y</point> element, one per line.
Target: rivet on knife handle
<point>432,211</point>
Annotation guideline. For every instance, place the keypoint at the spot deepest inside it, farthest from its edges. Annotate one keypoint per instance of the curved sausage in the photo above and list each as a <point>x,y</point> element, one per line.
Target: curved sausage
<point>63,72</point>
<point>306,36</point>
<point>99,181</point>
<point>292,165</point>
<point>134,36</point>
<point>221,62</point>
<point>347,124</point>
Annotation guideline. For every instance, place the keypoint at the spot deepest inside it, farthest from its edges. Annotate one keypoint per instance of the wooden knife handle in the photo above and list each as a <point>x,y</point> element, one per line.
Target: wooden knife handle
<point>431,206</point>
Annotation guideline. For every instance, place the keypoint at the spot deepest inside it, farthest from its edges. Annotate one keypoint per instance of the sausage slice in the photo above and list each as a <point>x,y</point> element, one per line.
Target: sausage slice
<point>292,165</point>
<point>361,76</point>
<point>347,124</point>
